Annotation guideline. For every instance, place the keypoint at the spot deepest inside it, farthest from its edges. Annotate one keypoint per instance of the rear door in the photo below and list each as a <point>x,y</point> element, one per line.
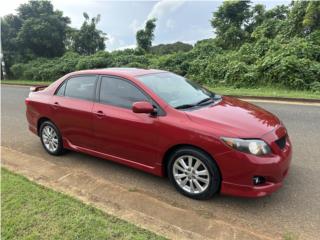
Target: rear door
<point>72,110</point>
<point>119,131</point>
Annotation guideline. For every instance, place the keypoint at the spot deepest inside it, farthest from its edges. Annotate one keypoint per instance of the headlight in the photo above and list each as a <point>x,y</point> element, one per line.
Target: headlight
<point>252,146</point>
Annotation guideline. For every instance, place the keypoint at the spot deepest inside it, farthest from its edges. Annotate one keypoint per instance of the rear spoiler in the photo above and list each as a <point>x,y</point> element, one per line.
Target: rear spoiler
<point>37,88</point>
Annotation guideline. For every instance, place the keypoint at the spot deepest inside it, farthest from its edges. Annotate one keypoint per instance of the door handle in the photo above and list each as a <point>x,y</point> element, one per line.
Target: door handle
<point>55,105</point>
<point>100,114</point>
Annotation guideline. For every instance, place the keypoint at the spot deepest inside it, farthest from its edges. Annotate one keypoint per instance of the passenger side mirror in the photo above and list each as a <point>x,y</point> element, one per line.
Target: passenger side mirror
<point>143,107</point>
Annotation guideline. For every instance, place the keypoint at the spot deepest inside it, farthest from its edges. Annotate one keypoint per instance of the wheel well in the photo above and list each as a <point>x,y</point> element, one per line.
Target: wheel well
<point>40,121</point>
<point>176,147</point>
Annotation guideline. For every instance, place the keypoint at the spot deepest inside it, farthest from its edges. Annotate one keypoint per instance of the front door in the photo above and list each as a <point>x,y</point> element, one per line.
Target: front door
<point>119,131</point>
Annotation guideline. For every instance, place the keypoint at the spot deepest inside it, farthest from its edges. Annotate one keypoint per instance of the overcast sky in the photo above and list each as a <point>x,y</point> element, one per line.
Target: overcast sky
<point>186,21</point>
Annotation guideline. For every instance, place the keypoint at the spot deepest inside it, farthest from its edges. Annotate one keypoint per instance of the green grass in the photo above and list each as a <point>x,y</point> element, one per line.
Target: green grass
<point>264,92</point>
<point>289,236</point>
<point>30,211</point>
<point>227,90</point>
<point>26,82</point>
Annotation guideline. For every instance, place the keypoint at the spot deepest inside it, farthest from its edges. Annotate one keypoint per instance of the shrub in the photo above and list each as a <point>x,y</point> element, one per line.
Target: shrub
<point>98,60</point>
<point>291,63</point>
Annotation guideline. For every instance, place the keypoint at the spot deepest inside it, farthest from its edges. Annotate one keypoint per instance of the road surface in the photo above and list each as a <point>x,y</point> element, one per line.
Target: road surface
<point>292,211</point>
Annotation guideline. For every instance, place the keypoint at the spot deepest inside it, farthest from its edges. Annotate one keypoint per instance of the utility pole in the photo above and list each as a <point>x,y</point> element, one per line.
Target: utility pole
<point>3,70</point>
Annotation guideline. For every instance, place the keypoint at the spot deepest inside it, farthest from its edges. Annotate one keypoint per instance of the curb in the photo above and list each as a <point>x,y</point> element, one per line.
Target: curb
<point>280,99</point>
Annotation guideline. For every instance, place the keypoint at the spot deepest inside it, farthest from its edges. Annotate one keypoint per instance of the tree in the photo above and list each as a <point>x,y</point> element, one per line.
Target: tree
<point>43,30</point>
<point>88,40</point>
<point>257,15</point>
<point>311,19</point>
<point>274,22</point>
<point>304,17</point>
<point>230,22</point>
<point>36,31</point>
<point>145,36</point>
<point>278,13</point>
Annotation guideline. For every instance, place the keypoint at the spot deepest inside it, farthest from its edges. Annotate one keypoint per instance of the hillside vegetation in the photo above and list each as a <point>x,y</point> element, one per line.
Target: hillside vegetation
<point>252,47</point>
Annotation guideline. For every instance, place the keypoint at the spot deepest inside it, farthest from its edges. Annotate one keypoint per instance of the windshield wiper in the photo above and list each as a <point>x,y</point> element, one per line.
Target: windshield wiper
<point>200,103</point>
<point>205,101</point>
<point>184,106</point>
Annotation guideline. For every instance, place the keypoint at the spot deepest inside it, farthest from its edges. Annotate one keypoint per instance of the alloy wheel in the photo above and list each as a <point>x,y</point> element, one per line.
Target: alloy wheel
<point>191,174</point>
<point>50,139</point>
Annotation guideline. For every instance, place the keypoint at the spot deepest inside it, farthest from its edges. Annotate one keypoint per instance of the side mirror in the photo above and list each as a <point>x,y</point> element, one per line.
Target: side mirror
<point>142,107</point>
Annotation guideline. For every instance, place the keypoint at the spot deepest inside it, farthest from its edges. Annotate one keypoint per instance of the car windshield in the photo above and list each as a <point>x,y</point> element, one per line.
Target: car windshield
<point>177,91</point>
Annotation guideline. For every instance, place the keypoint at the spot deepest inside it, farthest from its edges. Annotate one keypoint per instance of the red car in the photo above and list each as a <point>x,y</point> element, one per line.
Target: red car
<point>164,124</point>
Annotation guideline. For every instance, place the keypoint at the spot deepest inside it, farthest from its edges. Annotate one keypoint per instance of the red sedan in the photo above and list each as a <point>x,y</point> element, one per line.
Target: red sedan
<point>164,124</point>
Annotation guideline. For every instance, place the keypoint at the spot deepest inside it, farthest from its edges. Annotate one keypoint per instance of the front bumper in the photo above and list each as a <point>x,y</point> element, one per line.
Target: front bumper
<point>238,169</point>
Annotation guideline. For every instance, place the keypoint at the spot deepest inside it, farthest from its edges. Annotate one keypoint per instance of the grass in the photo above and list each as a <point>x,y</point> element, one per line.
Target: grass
<point>30,211</point>
<point>26,82</point>
<point>289,236</point>
<point>265,92</point>
<point>224,90</point>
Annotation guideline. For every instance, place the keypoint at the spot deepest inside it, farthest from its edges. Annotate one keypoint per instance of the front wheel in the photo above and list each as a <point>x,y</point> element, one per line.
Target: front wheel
<point>51,138</point>
<point>194,173</point>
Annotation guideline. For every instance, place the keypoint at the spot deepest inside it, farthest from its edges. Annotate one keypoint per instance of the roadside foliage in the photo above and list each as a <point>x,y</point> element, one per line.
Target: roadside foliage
<point>253,48</point>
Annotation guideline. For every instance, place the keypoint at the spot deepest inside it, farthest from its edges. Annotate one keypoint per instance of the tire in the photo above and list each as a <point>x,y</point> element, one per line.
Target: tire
<point>201,181</point>
<point>51,138</point>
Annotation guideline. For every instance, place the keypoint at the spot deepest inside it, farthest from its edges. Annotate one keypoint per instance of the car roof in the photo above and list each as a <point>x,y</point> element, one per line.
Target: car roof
<point>133,72</point>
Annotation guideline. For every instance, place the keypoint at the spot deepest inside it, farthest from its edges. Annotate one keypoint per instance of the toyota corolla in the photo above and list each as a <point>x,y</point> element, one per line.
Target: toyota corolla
<point>164,124</point>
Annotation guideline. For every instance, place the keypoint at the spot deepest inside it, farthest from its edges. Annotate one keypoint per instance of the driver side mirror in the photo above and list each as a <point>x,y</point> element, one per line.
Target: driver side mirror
<point>143,107</point>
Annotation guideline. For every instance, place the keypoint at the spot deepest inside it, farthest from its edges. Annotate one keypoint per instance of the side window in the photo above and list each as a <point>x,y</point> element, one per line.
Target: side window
<point>121,93</point>
<point>61,89</point>
<point>81,87</point>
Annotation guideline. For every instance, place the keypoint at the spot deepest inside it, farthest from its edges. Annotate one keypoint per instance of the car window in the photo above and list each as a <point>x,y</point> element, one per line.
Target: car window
<point>121,93</point>
<point>61,89</point>
<point>82,87</point>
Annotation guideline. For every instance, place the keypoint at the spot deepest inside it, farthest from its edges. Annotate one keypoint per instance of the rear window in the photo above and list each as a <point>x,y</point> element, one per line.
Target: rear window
<point>61,89</point>
<point>82,87</point>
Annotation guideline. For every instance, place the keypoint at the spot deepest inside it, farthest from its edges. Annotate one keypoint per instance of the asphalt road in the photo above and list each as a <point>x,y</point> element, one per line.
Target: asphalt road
<point>292,211</point>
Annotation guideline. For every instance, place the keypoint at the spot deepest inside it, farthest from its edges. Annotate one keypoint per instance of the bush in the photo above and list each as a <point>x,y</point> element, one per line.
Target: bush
<point>162,49</point>
<point>290,63</point>
<point>98,60</point>
<point>18,70</point>
<point>177,63</point>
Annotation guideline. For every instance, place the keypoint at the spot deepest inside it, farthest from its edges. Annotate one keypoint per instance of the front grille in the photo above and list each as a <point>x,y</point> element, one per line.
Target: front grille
<point>281,142</point>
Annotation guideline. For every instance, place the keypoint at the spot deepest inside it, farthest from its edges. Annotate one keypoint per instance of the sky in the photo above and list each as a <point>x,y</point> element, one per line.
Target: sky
<point>186,21</point>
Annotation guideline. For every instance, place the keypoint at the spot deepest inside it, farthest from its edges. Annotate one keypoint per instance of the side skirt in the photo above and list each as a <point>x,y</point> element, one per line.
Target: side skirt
<point>157,170</point>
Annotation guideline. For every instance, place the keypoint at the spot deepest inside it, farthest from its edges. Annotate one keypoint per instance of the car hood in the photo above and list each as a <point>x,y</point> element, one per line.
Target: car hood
<point>232,117</point>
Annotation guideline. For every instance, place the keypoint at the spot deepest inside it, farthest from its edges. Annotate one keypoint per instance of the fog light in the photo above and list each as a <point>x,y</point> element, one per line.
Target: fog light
<point>257,180</point>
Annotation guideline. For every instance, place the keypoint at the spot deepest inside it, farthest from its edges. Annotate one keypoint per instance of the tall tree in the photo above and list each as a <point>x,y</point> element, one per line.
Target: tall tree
<point>257,15</point>
<point>88,40</point>
<point>36,31</point>
<point>274,23</point>
<point>230,21</point>
<point>145,36</point>
<point>43,29</point>
<point>304,17</point>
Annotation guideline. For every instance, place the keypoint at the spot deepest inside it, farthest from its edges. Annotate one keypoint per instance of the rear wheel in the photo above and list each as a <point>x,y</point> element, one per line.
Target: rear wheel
<point>194,173</point>
<point>51,138</point>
